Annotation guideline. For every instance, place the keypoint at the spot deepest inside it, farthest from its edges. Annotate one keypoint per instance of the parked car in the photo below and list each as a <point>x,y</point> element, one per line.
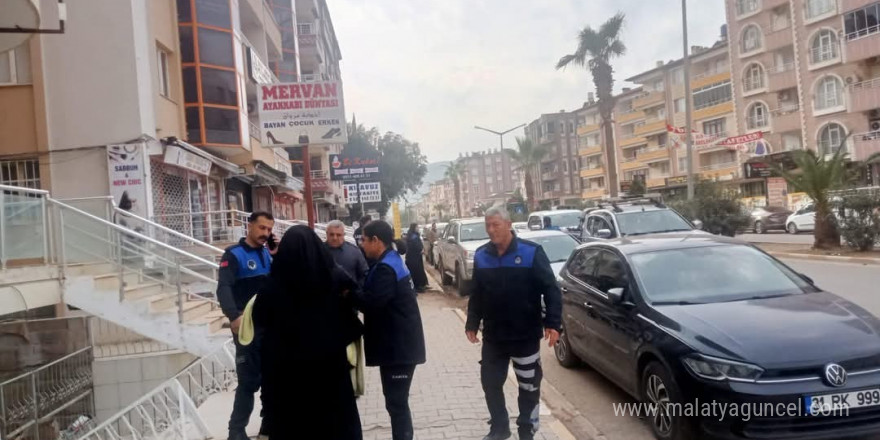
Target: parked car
<point>702,318</point>
<point>803,219</point>
<point>557,245</point>
<point>433,247</point>
<point>460,241</point>
<point>519,227</point>
<point>632,217</point>
<point>565,220</point>
<point>769,218</point>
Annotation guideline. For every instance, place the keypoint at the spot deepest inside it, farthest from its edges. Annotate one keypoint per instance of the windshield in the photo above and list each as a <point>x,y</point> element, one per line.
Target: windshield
<point>557,247</point>
<point>473,231</point>
<point>565,219</point>
<point>713,274</point>
<point>648,222</point>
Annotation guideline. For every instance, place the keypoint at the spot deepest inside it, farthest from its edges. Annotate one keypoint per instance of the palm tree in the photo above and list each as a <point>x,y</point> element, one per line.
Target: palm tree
<point>595,50</point>
<point>440,207</point>
<point>816,176</point>
<point>529,157</point>
<point>455,172</point>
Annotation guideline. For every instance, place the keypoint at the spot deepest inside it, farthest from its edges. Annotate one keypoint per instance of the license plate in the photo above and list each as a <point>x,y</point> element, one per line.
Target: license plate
<point>838,401</point>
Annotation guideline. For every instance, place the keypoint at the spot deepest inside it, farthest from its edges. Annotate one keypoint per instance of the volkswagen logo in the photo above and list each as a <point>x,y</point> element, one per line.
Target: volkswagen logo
<point>835,375</point>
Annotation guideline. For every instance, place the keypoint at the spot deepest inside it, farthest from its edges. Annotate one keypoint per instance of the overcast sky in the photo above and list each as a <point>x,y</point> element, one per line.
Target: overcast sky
<point>432,69</point>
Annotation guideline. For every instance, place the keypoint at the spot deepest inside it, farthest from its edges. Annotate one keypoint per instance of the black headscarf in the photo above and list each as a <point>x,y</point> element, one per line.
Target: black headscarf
<point>303,262</point>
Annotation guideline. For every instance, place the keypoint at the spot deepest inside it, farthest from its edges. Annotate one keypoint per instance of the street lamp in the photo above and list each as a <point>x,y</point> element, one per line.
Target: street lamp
<point>499,133</point>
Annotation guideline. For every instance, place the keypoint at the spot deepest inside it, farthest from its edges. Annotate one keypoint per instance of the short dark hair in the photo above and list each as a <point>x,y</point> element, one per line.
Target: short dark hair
<point>381,230</point>
<point>257,214</point>
<point>364,220</point>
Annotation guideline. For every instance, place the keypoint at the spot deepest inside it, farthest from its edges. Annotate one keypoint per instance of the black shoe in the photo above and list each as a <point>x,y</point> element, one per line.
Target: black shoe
<point>238,435</point>
<point>498,435</point>
<point>526,434</point>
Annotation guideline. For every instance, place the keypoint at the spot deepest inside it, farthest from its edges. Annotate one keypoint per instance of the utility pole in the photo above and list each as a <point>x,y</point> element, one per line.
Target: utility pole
<point>307,182</point>
<point>687,101</point>
<point>499,133</point>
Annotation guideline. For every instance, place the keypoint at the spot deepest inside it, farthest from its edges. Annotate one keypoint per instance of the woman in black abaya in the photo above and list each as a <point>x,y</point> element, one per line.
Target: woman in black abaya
<point>304,324</point>
<point>414,261</point>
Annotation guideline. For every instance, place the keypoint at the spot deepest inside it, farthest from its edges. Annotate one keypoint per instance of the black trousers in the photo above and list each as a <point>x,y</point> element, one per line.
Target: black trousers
<point>247,368</point>
<point>526,357</point>
<point>396,381</point>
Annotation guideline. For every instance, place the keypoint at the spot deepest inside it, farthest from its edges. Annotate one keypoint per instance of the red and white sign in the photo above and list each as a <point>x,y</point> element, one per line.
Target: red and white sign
<point>302,113</point>
<point>752,143</point>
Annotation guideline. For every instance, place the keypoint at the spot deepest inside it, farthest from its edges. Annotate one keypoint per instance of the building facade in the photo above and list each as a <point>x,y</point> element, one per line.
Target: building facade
<point>556,181</point>
<point>489,176</point>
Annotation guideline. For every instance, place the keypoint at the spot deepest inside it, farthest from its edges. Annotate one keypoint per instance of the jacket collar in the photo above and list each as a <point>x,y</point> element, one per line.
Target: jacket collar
<point>493,250</point>
<point>243,242</point>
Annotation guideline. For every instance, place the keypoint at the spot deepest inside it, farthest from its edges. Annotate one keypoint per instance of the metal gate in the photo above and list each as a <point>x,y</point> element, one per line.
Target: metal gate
<point>171,198</point>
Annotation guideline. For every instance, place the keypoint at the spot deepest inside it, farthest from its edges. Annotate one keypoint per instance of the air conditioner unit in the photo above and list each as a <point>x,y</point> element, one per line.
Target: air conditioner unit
<point>784,95</point>
<point>874,124</point>
<point>874,114</point>
<point>852,79</point>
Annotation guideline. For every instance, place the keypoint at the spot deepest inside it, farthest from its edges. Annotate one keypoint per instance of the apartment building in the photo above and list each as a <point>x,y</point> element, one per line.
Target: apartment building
<point>440,194</point>
<point>489,176</point>
<point>556,181</point>
<point>592,152</point>
<point>806,74</point>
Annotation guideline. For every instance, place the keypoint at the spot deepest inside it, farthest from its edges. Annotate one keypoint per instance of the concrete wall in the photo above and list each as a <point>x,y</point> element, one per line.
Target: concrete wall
<point>122,380</point>
<point>169,110</point>
<point>29,344</point>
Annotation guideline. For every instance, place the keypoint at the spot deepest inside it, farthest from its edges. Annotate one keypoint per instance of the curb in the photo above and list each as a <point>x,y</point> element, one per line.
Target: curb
<point>858,260</point>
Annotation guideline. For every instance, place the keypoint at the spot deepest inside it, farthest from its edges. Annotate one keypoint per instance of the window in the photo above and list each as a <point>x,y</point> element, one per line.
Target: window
<point>551,128</point>
<point>610,272</point>
<point>754,77</point>
<point>658,85</point>
<point>15,66</point>
<point>829,93</point>
<point>213,13</point>
<point>215,47</point>
<point>583,265</point>
<point>744,7</point>
<point>830,138</point>
<point>305,29</point>
<point>715,126</point>
<point>815,8</point>
<point>193,125</point>
<point>678,76</point>
<point>682,163</point>
<point>659,169</point>
<point>162,63</point>
<point>565,166</point>
<point>824,47</point>
<point>862,22</point>
<point>758,116</point>
<point>23,173</point>
<point>710,95</point>
<point>679,105</point>
<point>218,86</point>
<point>751,39</point>
<point>221,126</point>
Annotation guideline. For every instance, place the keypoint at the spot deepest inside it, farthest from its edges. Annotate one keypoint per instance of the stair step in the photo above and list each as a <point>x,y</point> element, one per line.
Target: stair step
<point>96,268</point>
<point>195,309</point>
<point>139,291</point>
<point>110,281</point>
<point>161,302</point>
<point>215,320</point>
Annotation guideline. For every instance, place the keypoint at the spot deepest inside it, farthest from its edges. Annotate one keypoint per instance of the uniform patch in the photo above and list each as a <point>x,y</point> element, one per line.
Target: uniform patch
<point>224,263</point>
<point>518,260</point>
<point>252,264</point>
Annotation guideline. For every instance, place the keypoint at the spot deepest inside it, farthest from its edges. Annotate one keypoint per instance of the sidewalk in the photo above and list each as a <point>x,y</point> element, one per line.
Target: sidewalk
<point>446,397</point>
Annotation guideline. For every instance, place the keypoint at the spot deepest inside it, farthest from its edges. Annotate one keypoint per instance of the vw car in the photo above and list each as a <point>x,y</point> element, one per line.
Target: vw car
<point>683,318</point>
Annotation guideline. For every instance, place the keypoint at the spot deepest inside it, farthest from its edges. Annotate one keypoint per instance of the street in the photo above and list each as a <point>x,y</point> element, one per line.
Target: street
<point>593,395</point>
<point>805,238</point>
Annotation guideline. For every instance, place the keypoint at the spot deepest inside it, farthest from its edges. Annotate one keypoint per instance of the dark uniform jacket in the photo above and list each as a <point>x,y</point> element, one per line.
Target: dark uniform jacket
<point>393,333</point>
<point>507,292</point>
<point>243,271</point>
<point>351,259</point>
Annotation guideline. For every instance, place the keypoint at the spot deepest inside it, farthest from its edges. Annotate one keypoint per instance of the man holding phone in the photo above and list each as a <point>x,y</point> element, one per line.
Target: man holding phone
<point>244,268</point>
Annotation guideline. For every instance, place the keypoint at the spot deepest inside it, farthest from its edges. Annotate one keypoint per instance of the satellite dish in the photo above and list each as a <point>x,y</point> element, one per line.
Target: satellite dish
<point>18,14</point>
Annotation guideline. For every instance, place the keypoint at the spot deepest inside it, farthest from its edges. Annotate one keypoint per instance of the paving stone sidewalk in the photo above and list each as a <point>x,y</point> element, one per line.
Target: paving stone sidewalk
<point>446,398</point>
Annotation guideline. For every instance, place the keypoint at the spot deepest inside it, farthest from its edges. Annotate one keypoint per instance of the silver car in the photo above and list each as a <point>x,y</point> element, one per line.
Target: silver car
<point>459,243</point>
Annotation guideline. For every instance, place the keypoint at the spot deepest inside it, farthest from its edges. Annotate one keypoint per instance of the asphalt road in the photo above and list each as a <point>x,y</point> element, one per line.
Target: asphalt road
<point>593,395</point>
<point>805,238</point>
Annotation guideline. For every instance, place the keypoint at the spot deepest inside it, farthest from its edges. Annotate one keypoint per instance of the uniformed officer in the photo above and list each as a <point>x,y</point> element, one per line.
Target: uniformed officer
<point>244,269</point>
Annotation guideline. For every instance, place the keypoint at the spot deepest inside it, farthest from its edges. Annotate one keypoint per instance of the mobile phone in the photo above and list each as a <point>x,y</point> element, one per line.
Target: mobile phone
<point>271,242</point>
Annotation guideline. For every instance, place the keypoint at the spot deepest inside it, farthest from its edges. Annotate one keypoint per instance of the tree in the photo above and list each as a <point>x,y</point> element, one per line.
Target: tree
<point>595,50</point>
<point>440,208</point>
<point>816,176</point>
<point>401,162</point>
<point>637,187</point>
<point>717,206</point>
<point>529,157</point>
<point>455,172</point>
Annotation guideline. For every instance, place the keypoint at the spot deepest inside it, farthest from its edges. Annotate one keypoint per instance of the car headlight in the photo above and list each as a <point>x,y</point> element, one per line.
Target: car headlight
<point>721,369</point>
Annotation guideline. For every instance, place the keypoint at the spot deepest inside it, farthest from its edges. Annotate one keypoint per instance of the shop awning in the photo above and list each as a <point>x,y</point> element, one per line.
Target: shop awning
<point>220,163</point>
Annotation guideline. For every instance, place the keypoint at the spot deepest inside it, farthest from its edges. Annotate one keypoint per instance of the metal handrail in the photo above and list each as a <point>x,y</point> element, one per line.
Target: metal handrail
<point>40,192</point>
<point>168,230</point>
<point>867,84</point>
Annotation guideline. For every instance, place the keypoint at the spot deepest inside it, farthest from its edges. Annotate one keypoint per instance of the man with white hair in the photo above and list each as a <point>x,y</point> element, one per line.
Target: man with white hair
<point>511,276</point>
<point>346,255</point>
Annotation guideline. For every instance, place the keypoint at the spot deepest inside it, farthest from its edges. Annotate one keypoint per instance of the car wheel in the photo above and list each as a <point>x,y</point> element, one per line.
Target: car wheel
<point>658,391</point>
<point>563,352</point>
<point>792,228</point>
<point>445,279</point>
<point>759,227</point>
<point>460,282</point>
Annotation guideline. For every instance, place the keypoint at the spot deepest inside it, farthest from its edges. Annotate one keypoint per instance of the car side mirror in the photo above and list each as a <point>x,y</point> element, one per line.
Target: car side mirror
<point>603,233</point>
<point>615,295</point>
<point>698,224</point>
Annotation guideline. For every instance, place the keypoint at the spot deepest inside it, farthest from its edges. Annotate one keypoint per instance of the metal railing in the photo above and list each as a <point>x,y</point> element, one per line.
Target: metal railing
<point>785,109</point>
<point>873,83</point>
<point>824,53</point>
<point>45,393</point>
<point>719,166</point>
<point>24,229</point>
<point>755,122</point>
<point>863,32</point>
<point>781,68</point>
<point>170,410</point>
<point>753,84</point>
<point>207,226</point>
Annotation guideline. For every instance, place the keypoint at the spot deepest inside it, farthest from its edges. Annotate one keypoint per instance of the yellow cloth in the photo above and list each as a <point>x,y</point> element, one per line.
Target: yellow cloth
<point>246,331</point>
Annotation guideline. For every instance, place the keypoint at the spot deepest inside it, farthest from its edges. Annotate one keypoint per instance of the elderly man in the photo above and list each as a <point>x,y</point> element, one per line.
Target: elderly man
<point>346,255</point>
<point>511,275</point>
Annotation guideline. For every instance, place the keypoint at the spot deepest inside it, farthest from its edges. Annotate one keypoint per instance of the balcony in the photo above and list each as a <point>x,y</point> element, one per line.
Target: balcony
<point>595,171</point>
<point>865,96</point>
<point>632,164</point>
<point>776,37</point>
<point>590,151</point>
<point>631,139</point>
<point>771,4</point>
<point>786,118</point>
<point>782,77</point>
<point>651,127</point>
<point>654,182</point>
<point>863,45</point>
<point>549,175</point>
<point>718,109</point>
<point>630,116</point>
<point>648,100</point>
<point>708,78</point>
<point>866,144</point>
<point>720,171</point>
<point>593,193</point>
<point>585,129</point>
<point>652,154</point>
<point>321,181</point>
